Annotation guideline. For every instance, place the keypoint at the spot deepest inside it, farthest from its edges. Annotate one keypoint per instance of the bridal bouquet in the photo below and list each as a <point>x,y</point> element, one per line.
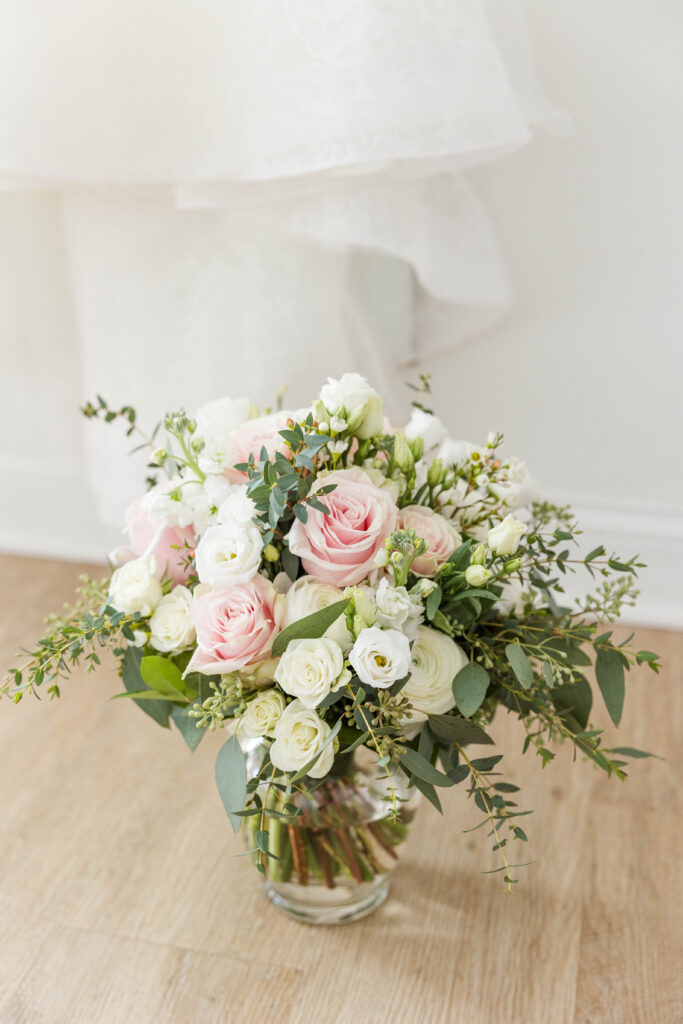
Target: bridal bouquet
<point>351,604</point>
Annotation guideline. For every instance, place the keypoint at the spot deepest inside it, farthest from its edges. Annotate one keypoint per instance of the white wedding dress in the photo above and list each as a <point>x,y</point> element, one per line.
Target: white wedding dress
<point>215,196</point>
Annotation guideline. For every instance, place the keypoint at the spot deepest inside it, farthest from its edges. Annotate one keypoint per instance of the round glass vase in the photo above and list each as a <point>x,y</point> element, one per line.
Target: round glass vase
<point>334,857</point>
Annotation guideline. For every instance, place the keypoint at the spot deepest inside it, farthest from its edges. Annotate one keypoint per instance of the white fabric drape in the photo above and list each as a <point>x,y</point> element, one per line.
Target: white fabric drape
<point>248,193</point>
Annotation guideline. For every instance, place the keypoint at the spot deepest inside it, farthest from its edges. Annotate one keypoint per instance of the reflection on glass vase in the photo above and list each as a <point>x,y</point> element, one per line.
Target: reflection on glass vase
<point>330,863</point>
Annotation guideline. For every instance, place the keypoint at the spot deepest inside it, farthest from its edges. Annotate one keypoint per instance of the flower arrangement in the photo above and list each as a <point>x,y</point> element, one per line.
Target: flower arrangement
<point>351,604</point>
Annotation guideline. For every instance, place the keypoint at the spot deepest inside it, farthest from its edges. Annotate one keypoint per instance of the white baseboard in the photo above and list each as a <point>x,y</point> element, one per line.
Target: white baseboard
<point>50,512</point>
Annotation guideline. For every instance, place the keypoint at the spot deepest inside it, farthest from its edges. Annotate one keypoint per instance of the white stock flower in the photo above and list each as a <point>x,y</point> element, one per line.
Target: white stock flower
<point>380,656</point>
<point>135,588</point>
<point>237,508</point>
<point>427,426</point>
<point>394,606</point>
<point>311,669</point>
<point>435,662</point>
<point>504,539</point>
<point>171,511</point>
<point>228,554</point>
<point>352,396</point>
<point>216,422</point>
<point>308,595</point>
<point>171,624</point>
<point>299,735</point>
<point>262,714</point>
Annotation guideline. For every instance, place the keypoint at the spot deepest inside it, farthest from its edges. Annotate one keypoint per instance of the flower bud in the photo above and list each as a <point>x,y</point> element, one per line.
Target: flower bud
<point>271,553</point>
<point>478,555</point>
<point>477,575</point>
<point>159,456</point>
<point>513,565</point>
<point>417,446</point>
<point>435,473</point>
<point>403,455</point>
<point>424,587</point>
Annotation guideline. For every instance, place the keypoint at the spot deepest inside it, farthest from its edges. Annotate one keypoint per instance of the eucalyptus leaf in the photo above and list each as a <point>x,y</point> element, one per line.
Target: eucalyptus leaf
<point>419,767</point>
<point>427,790</point>
<point>231,779</point>
<point>609,672</point>
<point>453,729</point>
<point>310,627</point>
<point>469,688</point>
<point>575,698</point>
<point>187,727</point>
<point>521,665</point>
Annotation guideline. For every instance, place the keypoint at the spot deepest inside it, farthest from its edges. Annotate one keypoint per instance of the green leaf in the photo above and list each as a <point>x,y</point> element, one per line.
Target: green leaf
<point>290,563</point>
<point>609,671</point>
<point>133,682</point>
<point>187,727</point>
<point>432,603</point>
<point>421,768</point>
<point>231,779</point>
<point>521,665</point>
<point>460,558</point>
<point>428,790</point>
<point>575,698</point>
<point>162,675</point>
<point>310,627</point>
<point>632,752</point>
<point>469,688</point>
<point>457,730</point>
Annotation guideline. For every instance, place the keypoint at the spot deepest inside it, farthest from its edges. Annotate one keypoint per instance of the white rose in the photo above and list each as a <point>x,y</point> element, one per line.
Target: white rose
<point>237,508</point>
<point>352,396</point>
<point>171,623</point>
<point>436,661</point>
<point>135,588</point>
<point>504,539</point>
<point>311,669</point>
<point>394,606</point>
<point>228,554</point>
<point>299,735</point>
<point>308,595</point>
<point>427,426</point>
<point>380,656</point>
<point>262,714</point>
<point>477,575</point>
<point>216,422</point>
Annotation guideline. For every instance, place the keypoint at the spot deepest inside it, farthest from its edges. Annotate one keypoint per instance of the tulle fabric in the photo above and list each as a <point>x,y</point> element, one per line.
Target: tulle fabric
<point>261,191</point>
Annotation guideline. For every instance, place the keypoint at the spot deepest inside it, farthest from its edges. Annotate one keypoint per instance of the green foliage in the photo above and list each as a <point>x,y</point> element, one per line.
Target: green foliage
<point>310,627</point>
<point>469,688</point>
<point>231,780</point>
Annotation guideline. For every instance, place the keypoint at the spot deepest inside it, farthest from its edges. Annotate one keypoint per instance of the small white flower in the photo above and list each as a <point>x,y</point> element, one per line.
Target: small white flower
<point>337,424</point>
<point>394,606</point>
<point>324,427</point>
<point>435,662</point>
<point>262,714</point>
<point>337,447</point>
<point>299,735</point>
<point>380,657</point>
<point>311,669</point>
<point>171,623</point>
<point>169,509</point>
<point>228,554</point>
<point>381,558</point>
<point>505,538</point>
<point>135,588</point>
<point>352,397</point>
<point>477,575</point>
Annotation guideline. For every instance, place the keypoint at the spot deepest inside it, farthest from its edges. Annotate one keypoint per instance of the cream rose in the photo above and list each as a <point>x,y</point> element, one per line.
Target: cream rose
<point>308,595</point>
<point>435,662</point>
<point>340,547</point>
<point>440,534</point>
<point>352,397</point>
<point>299,735</point>
<point>311,669</point>
<point>171,624</point>
<point>135,588</point>
<point>394,606</point>
<point>262,714</point>
<point>504,539</point>
<point>380,656</point>
<point>229,553</point>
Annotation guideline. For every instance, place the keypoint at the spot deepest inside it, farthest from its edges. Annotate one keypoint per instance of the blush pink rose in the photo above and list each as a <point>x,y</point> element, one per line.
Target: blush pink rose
<point>440,534</point>
<point>235,625</point>
<point>252,435</point>
<point>340,548</point>
<point>166,543</point>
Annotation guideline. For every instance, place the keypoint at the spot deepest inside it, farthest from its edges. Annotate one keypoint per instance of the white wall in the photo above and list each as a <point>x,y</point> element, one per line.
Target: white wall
<point>584,376</point>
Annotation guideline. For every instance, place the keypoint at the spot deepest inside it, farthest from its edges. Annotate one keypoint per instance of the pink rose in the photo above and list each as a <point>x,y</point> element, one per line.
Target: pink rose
<point>166,543</point>
<point>252,435</point>
<point>340,548</point>
<point>440,534</point>
<point>235,625</point>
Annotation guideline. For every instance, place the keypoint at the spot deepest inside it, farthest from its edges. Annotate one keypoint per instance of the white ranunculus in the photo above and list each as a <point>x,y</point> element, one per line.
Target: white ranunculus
<point>394,606</point>
<point>262,714</point>
<point>135,588</point>
<point>308,595</point>
<point>477,575</point>
<point>380,656</point>
<point>427,426</point>
<point>299,735</point>
<point>216,422</point>
<point>310,669</point>
<point>504,539</point>
<point>171,624</point>
<point>435,662</point>
<point>237,508</point>
<point>353,397</point>
<point>228,554</point>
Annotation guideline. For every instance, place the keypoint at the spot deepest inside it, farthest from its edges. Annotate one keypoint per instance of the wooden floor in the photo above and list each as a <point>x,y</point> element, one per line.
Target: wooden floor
<point>122,900</point>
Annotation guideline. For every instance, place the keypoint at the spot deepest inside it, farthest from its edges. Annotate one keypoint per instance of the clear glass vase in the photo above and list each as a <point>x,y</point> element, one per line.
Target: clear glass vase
<point>334,858</point>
